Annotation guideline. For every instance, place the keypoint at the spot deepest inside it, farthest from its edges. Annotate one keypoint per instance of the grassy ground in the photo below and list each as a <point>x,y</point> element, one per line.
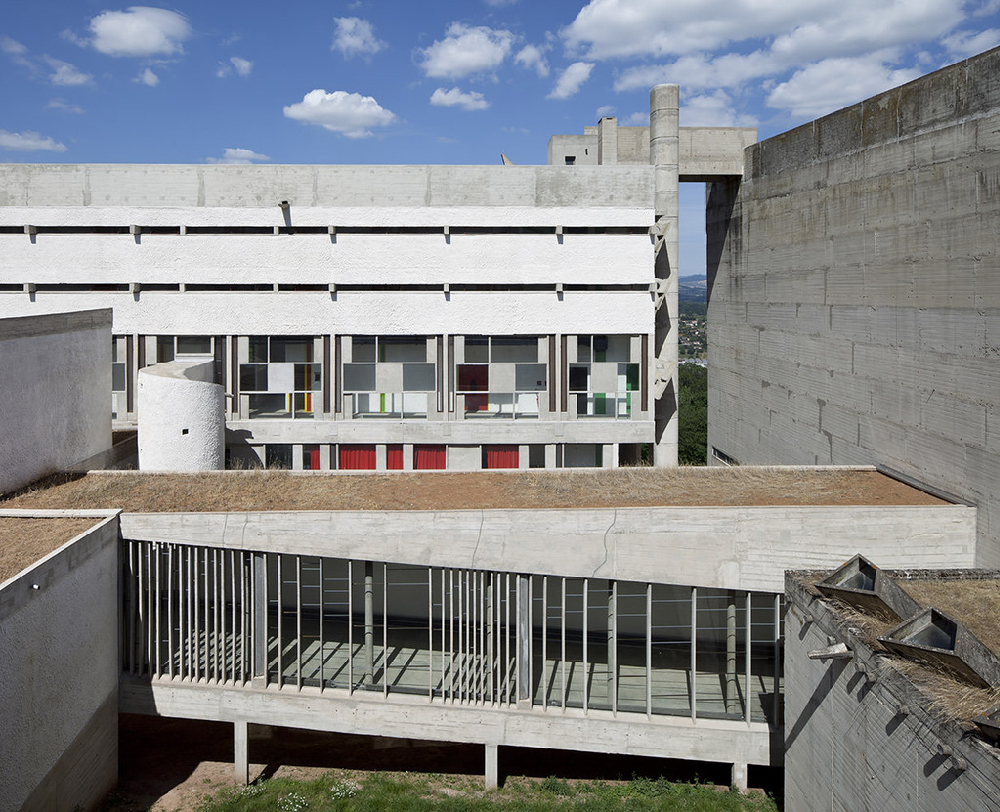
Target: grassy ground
<point>414,792</point>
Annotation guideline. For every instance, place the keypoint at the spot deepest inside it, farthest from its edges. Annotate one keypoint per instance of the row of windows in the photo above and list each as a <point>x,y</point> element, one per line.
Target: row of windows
<point>427,457</point>
<point>404,377</point>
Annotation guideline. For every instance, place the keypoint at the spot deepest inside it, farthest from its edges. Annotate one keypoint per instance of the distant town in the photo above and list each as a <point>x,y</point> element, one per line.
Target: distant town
<point>692,295</point>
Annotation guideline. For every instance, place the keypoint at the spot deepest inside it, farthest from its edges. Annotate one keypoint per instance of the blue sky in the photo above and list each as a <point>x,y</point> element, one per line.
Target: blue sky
<point>390,81</point>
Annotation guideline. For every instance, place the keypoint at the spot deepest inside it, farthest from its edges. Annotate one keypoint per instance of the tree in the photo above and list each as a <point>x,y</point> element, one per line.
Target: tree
<point>692,419</point>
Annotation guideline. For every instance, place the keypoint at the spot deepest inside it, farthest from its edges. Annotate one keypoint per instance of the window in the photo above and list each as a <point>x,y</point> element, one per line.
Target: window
<point>310,458</point>
<point>501,376</point>
<point>191,348</point>
<point>356,458</point>
<point>500,456</point>
<point>604,375</point>
<point>278,456</point>
<point>394,458</point>
<point>570,160</point>
<point>429,457</point>
<point>119,377</point>
<point>389,376</point>
<point>280,376</point>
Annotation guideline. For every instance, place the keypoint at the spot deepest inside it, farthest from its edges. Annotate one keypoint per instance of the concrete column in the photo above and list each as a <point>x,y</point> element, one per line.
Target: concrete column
<point>369,661</point>
<point>607,141</point>
<point>523,643</point>
<point>524,457</point>
<point>259,610</point>
<point>241,759</point>
<point>739,780</point>
<point>324,457</point>
<point>381,459</point>
<point>550,455</point>
<point>610,455</point>
<point>407,457</point>
<point>297,453</point>
<point>491,766</point>
<point>732,688</point>
<point>664,105</point>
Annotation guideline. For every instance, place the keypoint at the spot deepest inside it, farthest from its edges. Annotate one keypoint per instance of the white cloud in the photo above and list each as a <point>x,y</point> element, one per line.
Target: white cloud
<point>65,106</point>
<point>355,37</point>
<point>711,110</point>
<point>828,85</point>
<point>243,67</point>
<point>500,3</point>
<point>140,31</point>
<point>29,142</point>
<point>237,155</point>
<point>639,119</point>
<point>605,110</point>
<point>456,98</point>
<point>349,114</point>
<point>66,74</point>
<point>12,46</point>
<point>698,71</point>
<point>531,56</point>
<point>148,78</point>
<point>570,80</point>
<point>465,51</point>
<point>802,29</point>
<point>963,44</point>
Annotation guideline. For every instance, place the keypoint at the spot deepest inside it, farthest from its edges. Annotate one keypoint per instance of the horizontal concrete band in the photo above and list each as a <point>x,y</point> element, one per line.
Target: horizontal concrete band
<point>413,717</point>
<point>721,547</point>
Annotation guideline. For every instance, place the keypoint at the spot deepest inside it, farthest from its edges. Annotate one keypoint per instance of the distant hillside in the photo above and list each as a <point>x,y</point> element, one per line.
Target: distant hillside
<point>692,288</point>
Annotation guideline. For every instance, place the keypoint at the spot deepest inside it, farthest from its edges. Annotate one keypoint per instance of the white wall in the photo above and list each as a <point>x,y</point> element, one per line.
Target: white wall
<point>55,385</point>
<point>182,418</point>
<point>59,673</point>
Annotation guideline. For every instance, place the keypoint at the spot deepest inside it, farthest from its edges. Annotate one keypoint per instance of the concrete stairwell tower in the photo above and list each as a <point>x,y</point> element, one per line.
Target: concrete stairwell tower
<point>664,144</point>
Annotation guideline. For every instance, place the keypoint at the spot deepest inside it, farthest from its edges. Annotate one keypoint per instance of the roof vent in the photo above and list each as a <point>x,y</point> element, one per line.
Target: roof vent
<point>866,588</point>
<point>989,724</point>
<point>940,642</point>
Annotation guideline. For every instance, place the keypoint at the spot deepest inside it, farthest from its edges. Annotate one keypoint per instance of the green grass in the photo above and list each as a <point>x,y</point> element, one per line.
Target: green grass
<point>414,793</point>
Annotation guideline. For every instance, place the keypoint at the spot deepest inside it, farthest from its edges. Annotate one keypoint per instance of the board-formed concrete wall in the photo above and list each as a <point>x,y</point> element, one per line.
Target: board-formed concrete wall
<point>55,380</point>
<point>719,547</point>
<point>59,673</point>
<point>856,741</point>
<point>854,312</point>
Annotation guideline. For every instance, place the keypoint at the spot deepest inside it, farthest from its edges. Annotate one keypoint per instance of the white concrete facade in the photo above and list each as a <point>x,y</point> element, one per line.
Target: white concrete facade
<point>204,260</point>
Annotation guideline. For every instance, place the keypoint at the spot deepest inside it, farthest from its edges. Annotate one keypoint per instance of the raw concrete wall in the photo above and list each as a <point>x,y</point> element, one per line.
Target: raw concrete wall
<point>59,674</point>
<point>55,384</point>
<point>727,548</point>
<point>854,312</point>
<point>849,745</point>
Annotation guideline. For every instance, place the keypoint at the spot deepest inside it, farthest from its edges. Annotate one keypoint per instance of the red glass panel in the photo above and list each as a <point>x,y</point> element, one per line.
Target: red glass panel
<point>357,458</point>
<point>429,457</point>
<point>501,456</point>
<point>394,457</point>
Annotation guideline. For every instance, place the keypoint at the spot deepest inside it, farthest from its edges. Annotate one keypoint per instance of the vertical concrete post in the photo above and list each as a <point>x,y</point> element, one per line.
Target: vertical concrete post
<point>492,774</point>
<point>607,141</point>
<point>369,663</point>
<point>664,145</point>
<point>731,685</point>
<point>739,780</point>
<point>523,642</point>
<point>241,757</point>
<point>259,609</point>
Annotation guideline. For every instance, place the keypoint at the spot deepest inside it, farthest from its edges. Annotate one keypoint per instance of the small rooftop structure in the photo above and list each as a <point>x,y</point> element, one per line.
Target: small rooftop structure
<point>859,583</point>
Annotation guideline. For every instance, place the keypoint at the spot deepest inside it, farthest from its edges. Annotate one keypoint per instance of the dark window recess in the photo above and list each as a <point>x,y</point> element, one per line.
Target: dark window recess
<point>578,376</point>
<point>253,377</point>
<point>278,456</point>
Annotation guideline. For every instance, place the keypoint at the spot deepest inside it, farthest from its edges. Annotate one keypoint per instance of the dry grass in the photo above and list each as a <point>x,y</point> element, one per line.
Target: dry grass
<point>973,601</point>
<point>24,541</point>
<point>278,490</point>
<point>949,699</point>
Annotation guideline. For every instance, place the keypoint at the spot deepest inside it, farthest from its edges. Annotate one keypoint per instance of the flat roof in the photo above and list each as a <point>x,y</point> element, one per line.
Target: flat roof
<point>135,492</point>
<point>23,541</point>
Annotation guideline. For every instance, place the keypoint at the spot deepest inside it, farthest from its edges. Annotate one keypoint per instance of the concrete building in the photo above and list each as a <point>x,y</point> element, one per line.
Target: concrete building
<point>429,317</point>
<point>382,318</point>
<point>854,308</point>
